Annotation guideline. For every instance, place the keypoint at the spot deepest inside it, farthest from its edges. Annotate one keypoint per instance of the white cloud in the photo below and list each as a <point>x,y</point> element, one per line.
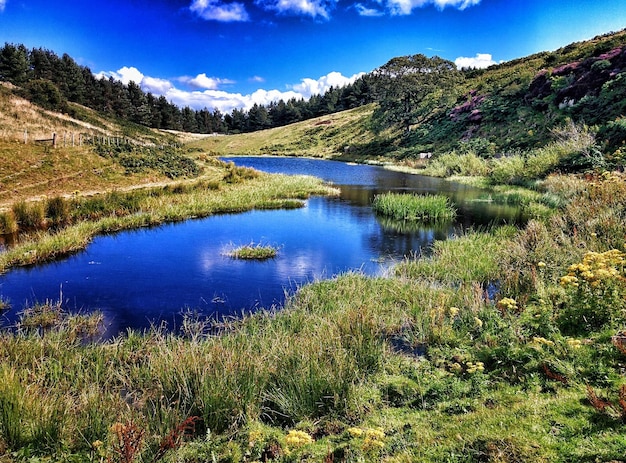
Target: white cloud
<point>211,97</point>
<point>203,81</point>
<point>406,7</point>
<point>257,79</point>
<point>124,75</point>
<point>365,11</point>
<point>156,86</point>
<point>460,4</point>
<point>216,10</point>
<point>3,3</point>
<point>313,8</point>
<point>308,87</point>
<point>480,61</point>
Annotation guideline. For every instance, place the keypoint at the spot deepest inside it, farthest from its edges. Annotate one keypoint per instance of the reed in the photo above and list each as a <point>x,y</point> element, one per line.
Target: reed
<point>411,207</point>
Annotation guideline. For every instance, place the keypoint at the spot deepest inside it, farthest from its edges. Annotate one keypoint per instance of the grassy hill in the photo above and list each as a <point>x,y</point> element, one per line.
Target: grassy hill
<point>513,107</point>
<point>33,169</point>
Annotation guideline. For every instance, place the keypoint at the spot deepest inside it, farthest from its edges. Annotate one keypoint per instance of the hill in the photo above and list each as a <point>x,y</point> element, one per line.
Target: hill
<point>508,108</point>
<point>83,160</point>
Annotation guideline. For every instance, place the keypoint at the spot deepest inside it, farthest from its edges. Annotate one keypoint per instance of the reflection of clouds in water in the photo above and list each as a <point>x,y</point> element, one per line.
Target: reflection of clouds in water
<point>309,265</point>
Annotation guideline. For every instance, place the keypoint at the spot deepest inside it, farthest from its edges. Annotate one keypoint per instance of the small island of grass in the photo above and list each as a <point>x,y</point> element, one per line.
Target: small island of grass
<point>412,207</point>
<point>254,252</point>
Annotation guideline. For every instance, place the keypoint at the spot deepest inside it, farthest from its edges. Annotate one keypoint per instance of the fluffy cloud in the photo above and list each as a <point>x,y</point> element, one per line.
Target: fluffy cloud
<point>124,75</point>
<point>480,61</point>
<point>313,8</point>
<point>3,3</point>
<point>365,11</point>
<point>308,87</point>
<point>203,81</point>
<point>212,97</point>
<point>216,10</point>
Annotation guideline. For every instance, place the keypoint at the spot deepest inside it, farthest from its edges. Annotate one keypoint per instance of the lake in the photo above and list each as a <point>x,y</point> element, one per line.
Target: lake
<point>151,276</point>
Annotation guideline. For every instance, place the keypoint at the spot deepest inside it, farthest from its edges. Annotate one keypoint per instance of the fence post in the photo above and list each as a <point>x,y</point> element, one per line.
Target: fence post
<point>54,139</point>
<point>72,139</point>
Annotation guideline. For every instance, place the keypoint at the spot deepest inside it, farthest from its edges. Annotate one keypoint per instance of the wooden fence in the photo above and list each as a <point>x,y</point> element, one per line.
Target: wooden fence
<point>68,139</point>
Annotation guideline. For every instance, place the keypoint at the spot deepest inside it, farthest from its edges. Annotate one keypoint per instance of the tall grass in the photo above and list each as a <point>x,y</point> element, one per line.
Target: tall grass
<point>412,207</point>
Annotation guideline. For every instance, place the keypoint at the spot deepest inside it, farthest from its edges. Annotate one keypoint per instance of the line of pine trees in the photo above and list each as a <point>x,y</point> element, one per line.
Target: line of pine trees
<point>51,82</point>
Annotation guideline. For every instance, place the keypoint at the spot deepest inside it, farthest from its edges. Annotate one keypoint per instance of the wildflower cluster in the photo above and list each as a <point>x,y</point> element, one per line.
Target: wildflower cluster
<point>475,367</point>
<point>596,268</point>
<point>597,287</point>
<point>460,366</point>
<point>373,439</point>
<point>506,304</point>
<point>297,439</point>
<point>539,341</point>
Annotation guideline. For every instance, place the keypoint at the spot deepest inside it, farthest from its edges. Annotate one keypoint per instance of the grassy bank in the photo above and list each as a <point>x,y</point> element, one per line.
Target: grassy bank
<point>428,365</point>
<point>66,226</point>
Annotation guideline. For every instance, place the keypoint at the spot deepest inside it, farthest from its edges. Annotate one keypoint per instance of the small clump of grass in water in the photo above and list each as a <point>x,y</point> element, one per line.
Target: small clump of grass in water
<point>411,207</point>
<point>254,251</point>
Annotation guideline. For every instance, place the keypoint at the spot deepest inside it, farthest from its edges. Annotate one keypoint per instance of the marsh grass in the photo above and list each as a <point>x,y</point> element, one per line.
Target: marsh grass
<point>254,251</point>
<point>412,207</point>
<point>115,211</point>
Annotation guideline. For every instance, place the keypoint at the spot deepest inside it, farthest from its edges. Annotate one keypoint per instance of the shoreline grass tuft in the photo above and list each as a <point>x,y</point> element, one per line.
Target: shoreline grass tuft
<point>254,251</point>
<point>412,207</point>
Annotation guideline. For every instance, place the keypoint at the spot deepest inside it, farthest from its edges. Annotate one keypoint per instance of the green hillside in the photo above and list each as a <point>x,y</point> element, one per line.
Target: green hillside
<point>509,108</point>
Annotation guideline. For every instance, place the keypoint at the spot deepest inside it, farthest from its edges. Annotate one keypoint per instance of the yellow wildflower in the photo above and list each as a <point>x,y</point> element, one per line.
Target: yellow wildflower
<point>297,438</point>
<point>454,311</point>
<point>540,340</point>
<point>355,432</point>
<point>478,322</point>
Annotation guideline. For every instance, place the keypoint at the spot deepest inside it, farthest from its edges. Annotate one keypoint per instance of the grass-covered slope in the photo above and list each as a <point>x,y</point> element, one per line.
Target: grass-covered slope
<point>506,109</point>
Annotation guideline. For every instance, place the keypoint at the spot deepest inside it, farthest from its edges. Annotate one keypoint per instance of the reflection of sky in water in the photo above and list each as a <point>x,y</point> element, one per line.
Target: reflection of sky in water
<point>152,275</point>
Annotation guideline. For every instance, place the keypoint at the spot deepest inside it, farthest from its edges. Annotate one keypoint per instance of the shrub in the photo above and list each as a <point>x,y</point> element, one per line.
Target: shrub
<point>57,211</point>
<point>8,224</point>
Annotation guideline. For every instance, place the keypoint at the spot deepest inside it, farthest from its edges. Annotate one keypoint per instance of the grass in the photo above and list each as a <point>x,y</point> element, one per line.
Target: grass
<point>345,135</point>
<point>411,207</point>
<point>254,251</point>
<point>116,211</point>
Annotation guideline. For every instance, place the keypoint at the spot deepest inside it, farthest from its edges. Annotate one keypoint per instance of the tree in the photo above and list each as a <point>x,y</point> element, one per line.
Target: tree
<point>258,118</point>
<point>14,64</point>
<point>408,88</point>
<point>44,93</point>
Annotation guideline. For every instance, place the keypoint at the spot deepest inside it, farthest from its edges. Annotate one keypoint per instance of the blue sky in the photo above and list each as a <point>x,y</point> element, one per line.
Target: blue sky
<point>233,53</point>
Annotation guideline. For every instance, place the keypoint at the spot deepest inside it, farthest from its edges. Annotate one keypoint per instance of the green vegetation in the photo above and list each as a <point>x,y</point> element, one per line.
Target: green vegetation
<point>411,207</point>
<point>254,251</point>
<point>503,345</point>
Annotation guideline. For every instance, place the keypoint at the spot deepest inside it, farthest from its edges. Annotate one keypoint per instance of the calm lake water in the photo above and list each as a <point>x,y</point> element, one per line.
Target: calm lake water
<point>150,276</point>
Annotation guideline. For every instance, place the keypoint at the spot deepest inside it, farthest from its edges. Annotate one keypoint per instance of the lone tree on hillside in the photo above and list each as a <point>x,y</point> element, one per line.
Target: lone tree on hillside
<point>409,88</point>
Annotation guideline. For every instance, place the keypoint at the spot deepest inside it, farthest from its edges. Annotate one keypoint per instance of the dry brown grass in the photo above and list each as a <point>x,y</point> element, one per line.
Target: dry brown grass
<point>35,170</point>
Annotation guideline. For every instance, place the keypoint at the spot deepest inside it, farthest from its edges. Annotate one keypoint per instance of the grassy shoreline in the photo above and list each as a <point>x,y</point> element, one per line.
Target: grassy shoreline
<point>154,207</point>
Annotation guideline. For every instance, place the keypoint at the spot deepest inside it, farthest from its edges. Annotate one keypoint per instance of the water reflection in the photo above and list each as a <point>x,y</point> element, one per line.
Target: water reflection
<point>152,275</point>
